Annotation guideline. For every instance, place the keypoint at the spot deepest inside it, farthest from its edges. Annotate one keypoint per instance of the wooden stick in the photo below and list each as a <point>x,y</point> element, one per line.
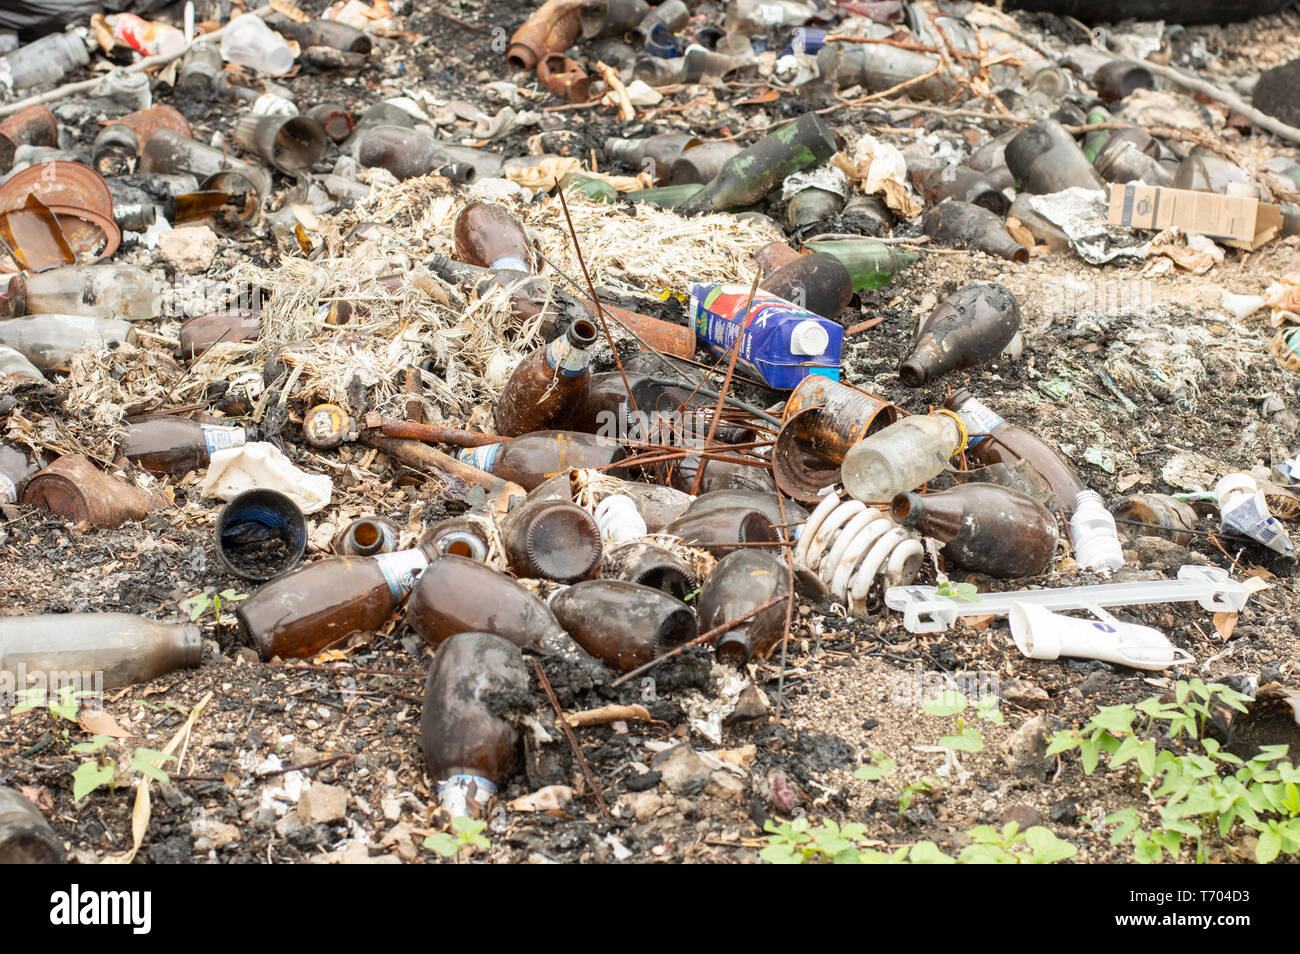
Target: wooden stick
<point>606,714</point>
<point>573,739</point>
<point>1221,95</point>
<point>702,638</point>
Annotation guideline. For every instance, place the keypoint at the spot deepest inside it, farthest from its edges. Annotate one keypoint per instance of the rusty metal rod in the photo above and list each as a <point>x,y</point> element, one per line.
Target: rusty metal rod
<point>429,433</point>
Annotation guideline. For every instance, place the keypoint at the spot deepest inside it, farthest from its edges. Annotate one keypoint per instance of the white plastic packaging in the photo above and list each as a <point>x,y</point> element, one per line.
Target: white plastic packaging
<point>1092,531</point>
<point>1042,634</point>
<point>249,42</point>
<point>925,611</point>
<point>1239,306</point>
<point>261,465</point>
<point>270,104</point>
<point>619,520</point>
<point>1242,509</point>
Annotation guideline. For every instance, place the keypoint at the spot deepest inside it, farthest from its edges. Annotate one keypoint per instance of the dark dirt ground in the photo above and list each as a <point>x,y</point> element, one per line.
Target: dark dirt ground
<point>352,720</point>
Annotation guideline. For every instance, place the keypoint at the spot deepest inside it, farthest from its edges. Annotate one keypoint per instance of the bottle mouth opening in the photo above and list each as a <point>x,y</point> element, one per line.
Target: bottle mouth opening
<point>901,509</point>
<point>582,333</point>
<point>912,373</point>
<point>678,627</point>
<point>734,650</point>
<point>756,528</point>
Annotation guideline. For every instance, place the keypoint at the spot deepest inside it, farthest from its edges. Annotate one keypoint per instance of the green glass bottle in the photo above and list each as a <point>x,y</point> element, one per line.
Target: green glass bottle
<point>871,264</point>
<point>666,197</point>
<point>754,172</point>
<point>1094,140</point>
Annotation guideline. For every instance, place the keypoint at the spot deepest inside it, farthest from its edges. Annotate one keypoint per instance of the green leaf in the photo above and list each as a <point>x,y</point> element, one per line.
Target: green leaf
<point>1126,819</point>
<point>88,777</point>
<point>948,703</point>
<point>1046,847</point>
<point>96,744</point>
<point>1062,742</point>
<point>985,835</point>
<point>148,762</point>
<point>964,592</point>
<point>1145,850</point>
<point>31,699</point>
<point>1090,750</point>
<point>447,845</point>
<point>928,853</point>
<point>197,605</point>
<point>67,705</point>
<point>1117,720</point>
<point>869,856</point>
<point>882,768</point>
<point>987,855</point>
<point>967,740</point>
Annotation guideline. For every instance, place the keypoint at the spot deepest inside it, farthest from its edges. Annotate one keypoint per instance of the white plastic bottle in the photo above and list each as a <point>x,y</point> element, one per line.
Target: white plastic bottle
<point>249,42</point>
<point>901,457</point>
<point>1092,531</point>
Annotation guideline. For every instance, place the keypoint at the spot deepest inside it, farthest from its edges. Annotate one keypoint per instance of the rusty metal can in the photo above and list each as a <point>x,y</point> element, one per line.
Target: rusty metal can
<point>822,420</point>
<point>74,488</point>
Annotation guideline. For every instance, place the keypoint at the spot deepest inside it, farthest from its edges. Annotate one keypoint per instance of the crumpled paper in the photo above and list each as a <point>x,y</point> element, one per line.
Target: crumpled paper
<point>1284,298</point>
<point>1081,214</point>
<point>878,168</point>
<point>261,466</point>
<point>504,123</point>
<point>1151,107</point>
<point>826,178</point>
<point>1190,252</point>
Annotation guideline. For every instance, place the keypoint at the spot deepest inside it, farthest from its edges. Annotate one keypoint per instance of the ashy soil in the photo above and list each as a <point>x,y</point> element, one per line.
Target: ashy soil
<point>1141,380</point>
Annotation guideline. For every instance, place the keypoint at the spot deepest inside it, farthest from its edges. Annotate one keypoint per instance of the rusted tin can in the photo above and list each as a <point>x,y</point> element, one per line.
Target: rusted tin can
<point>822,420</point>
<point>74,488</point>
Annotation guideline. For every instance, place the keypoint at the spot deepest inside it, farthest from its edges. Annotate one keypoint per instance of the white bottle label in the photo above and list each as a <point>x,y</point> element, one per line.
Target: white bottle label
<point>218,437</point>
<point>402,570</point>
<point>978,420</point>
<point>455,793</point>
<point>8,492</point>
<point>484,458</point>
<point>570,361</point>
<point>509,263</point>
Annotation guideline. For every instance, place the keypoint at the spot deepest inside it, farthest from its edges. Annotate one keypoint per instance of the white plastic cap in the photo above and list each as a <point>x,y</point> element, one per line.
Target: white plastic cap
<point>809,338</point>
<point>1233,484</point>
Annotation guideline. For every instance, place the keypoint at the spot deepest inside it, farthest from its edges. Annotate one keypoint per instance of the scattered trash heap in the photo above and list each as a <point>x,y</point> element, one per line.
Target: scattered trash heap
<point>620,376</point>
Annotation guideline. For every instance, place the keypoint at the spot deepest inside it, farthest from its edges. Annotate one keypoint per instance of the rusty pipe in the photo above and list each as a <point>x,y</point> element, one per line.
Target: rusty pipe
<point>429,433</point>
<point>553,27</point>
<point>662,336</point>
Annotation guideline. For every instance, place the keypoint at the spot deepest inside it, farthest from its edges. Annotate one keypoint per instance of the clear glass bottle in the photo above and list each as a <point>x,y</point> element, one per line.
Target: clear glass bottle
<point>105,291</point>
<point>50,340</point>
<point>900,457</point>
